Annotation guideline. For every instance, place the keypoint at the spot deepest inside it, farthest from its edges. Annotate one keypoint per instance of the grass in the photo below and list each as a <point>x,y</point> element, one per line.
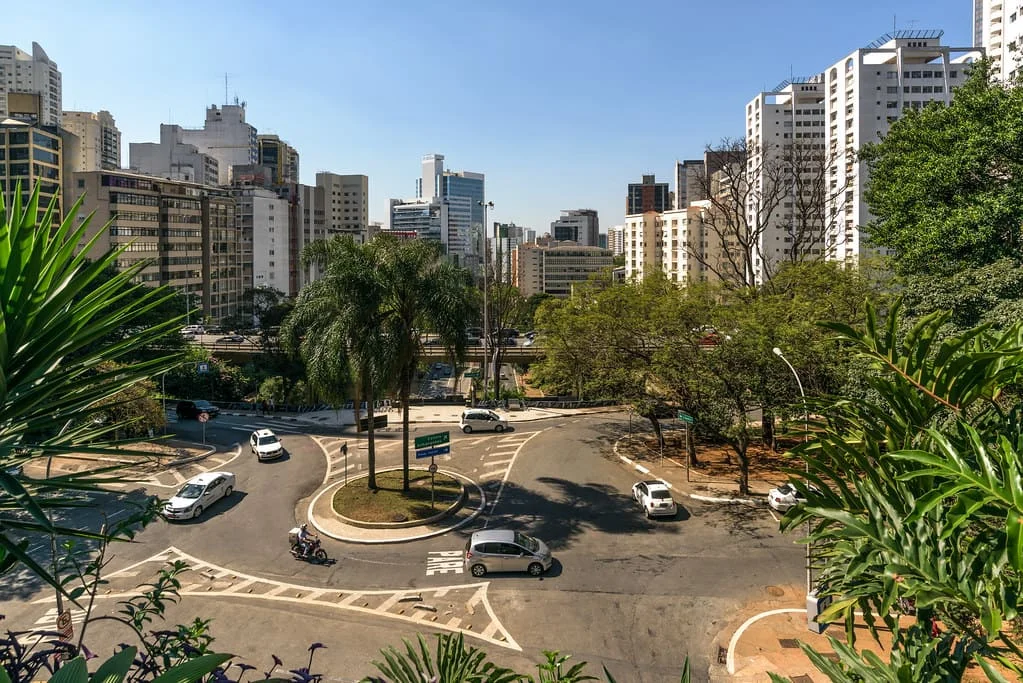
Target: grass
<point>389,504</point>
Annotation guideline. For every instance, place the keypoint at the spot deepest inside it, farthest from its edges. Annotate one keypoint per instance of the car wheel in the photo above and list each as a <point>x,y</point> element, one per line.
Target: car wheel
<point>198,511</point>
<point>468,430</point>
<point>228,491</point>
<point>478,570</point>
<point>499,428</point>
<point>535,569</point>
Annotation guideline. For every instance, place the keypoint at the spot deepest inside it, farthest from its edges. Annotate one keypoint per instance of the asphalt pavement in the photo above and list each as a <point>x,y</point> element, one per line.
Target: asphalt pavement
<point>631,593</point>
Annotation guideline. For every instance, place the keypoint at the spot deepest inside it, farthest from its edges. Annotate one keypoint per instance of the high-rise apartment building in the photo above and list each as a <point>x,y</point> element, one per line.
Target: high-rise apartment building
<point>648,195</point>
<point>817,125</point>
<point>226,137</point>
<point>577,225</point>
<point>616,240</point>
<point>31,155</point>
<point>98,140</point>
<point>347,203</point>
<point>33,74</point>
<point>173,159</point>
<point>280,157</point>
<point>264,222</point>
<point>185,234</point>
<point>998,29</point>
<point>447,207</point>
<point>506,237</point>
<point>680,243</point>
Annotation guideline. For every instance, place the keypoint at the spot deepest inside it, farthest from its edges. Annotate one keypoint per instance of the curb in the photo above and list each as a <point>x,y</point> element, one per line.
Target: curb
<point>405,539</point>
<point>196,458</point>
<point>695,496</point>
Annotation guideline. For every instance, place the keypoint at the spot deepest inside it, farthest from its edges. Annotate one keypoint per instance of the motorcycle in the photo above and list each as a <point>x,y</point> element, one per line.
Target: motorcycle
<point>314,554</point>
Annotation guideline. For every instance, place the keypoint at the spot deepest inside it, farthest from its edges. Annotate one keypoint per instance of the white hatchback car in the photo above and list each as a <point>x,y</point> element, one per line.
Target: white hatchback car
<point>655,497</point>
<point>480,420</point>
<point>784,498</point>
<point>198,494</point>
<point>265,445</point>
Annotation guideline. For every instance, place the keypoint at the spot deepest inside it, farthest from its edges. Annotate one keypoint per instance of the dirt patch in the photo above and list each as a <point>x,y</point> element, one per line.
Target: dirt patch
<point>388,503</point>
<point>146,456</point>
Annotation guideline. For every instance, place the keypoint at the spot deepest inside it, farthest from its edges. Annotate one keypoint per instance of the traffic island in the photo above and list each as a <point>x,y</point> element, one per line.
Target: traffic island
<point>469,504</point>
<point>389,507</point>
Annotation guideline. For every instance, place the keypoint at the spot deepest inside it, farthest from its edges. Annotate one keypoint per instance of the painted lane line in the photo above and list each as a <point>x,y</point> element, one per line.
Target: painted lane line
<point>642,469</point>
<point>492,463</point>
<point>504,480</point>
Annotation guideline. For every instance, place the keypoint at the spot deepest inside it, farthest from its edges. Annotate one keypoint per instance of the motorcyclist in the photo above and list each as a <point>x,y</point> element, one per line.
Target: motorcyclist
<point>305,539</point>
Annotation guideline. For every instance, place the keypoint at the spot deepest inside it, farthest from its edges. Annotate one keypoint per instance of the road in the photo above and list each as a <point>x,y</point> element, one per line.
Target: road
<point>628,592</point>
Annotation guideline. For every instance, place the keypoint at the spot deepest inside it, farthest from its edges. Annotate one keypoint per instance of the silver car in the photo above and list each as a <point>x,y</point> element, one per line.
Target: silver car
<point>504,550</point>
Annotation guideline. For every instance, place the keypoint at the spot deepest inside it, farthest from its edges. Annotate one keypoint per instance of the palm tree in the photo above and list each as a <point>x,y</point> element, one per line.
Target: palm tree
<point>334,327</point>
<point>55,305</point>
<point>418,290</point>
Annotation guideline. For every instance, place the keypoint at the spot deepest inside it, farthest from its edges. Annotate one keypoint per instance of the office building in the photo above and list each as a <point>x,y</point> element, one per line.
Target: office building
<point>34,75</point>
<point>577,225</point>
<point>998,29</point>
<point>558,268</point>
<point>648,195</point>
<point>347,203</point>
<point>505,238</point>
<point>264,219</point>
<point>226,137</point>
<point>616,240</point>
<point>31,155</point>
<point>280,157</point>
<point>173,159</point>
<point>183,234</point>
<point>447,207</point>
<point>98,140</point>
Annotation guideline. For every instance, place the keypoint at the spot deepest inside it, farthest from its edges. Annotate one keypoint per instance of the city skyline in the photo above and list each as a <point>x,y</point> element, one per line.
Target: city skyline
<point>544,107</point>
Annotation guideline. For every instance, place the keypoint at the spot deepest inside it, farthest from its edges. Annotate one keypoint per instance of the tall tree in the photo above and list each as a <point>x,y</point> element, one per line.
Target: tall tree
<point>946,182</point>
<point>503,308</point>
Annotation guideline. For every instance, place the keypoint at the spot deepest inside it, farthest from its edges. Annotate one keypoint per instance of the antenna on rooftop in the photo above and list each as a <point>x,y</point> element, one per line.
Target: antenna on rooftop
<point>225,87</point>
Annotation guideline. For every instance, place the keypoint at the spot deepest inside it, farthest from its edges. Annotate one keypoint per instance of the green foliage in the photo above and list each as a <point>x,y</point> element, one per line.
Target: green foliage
<point>60,315</point>
<point>552,670</point>
<point>918,495</point>
<point>988,294</point>
<point>453,662</point>
<point>946,183</point>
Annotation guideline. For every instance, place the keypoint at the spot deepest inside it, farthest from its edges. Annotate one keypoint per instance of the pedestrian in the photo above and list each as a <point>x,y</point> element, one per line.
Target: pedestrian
<point>262,408</point>
<point>273,406</point>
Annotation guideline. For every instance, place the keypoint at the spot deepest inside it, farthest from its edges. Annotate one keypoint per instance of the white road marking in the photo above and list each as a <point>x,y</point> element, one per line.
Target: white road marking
<point>444,562</point>
<point>642,469</point>
<point>507,472</point>
<point>492,463</point>
<point>730,659</point>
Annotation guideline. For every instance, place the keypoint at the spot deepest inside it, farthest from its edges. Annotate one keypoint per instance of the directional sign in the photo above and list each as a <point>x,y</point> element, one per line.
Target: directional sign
<point>685,417</point>
<point>472,374</point>
<point>432,439</point>
<point>202,368</point>
<point>430,452</point>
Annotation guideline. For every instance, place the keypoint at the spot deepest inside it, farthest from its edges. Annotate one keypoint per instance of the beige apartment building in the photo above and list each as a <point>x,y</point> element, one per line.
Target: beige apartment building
<point>557,268</point>
<point>346,203</point>
<point>177,234</point>
<point>682,244</point>
<point>98,140</point>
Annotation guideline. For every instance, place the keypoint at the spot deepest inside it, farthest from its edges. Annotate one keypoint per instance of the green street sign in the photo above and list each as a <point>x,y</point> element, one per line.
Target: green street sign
<point>431,440</point>
<point>686,417</point>
<point>472,374</point>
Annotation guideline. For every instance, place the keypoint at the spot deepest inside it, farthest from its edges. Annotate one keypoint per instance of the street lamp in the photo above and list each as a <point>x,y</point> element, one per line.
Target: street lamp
<point>486,312</point>
<point>810,594</point>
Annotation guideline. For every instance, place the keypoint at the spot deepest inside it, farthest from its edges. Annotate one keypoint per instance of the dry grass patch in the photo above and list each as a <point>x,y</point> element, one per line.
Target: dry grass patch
<point>388,503</point>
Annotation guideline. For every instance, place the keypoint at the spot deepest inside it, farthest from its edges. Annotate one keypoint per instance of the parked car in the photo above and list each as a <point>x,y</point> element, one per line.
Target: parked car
<point>504,550</point>
<point>231,339</point>
<point>265,445</point>
<point>189,330</point>
<point>481,420</point>
<point>198,494</point>
<point>655,498</point>
<point>784,497</point>
<point>189,410</point>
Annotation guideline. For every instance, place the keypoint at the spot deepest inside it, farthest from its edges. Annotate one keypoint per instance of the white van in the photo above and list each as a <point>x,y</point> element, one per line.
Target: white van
<point>480,420</point>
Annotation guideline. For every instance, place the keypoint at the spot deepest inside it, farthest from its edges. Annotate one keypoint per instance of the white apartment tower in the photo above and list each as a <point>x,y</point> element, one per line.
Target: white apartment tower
<point>226,137</point>
<point>346,204</point>
<point>834,113</point>
<point>99,140</point>
<point>30,74</point>
<point>616,239</point>
<point>998,28</point>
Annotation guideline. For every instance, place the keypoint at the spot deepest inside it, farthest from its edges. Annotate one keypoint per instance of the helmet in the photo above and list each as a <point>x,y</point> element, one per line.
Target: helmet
<point>305,527</point>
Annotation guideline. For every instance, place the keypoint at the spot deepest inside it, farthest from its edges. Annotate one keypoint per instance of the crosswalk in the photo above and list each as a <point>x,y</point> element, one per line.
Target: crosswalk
<point>463,608</point>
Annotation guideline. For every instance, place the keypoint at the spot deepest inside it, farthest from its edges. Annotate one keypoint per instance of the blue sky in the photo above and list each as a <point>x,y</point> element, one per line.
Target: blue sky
<point>561,103</point>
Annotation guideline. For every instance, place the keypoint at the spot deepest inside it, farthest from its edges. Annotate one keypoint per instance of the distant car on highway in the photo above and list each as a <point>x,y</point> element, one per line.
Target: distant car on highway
<point>198,494</point>
<point>231,339</point>
<point>189,410</point>
<point>655,498</point>
<point>191,330</point>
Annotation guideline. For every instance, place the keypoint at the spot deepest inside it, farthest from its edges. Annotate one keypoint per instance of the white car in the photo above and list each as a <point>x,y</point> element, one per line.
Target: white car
<point>784,498</point>
<point>265,445</point>
<point>655,497</point>
<point>480,420</point>
<point>198,494</point>
<point>190,330</point>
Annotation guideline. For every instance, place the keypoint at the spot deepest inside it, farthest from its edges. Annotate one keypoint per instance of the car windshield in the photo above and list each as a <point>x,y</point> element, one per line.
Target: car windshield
<point>660,494</point>
<point>267,440</point>
<point>530,544</point>
<point>786,489</point>
<point>190,491</point>
<point>203,404</point>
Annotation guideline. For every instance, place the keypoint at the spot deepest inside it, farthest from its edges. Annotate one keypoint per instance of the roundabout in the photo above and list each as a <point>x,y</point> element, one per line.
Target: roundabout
<point>430,498</point>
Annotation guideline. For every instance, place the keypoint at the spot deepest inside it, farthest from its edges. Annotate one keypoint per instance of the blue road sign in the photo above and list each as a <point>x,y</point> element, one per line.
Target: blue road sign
<point>202,368</point>
<point>430,452</point>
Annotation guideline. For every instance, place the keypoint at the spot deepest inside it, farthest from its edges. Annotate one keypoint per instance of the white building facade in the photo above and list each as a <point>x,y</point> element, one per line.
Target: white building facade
<point>226,137</point>
<point>263,219</point>
<point>616,239</point>
<point>998,29</point>
<point>99,140</point>
<point>36,74</point>
<point>173,159</point>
